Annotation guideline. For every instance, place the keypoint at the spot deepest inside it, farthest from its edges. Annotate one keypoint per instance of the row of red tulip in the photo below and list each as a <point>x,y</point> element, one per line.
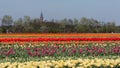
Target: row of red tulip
<point>59,50</point>
<point>56,39</point>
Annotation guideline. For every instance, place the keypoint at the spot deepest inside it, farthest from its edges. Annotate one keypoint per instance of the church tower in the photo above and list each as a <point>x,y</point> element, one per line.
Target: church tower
<point>41,17</point>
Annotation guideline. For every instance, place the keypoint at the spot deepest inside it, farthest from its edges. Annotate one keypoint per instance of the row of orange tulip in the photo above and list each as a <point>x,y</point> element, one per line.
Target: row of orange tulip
<point>63,34</point>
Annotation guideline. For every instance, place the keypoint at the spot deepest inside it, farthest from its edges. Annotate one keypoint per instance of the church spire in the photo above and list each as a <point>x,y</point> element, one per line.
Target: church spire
<point>41,17</point>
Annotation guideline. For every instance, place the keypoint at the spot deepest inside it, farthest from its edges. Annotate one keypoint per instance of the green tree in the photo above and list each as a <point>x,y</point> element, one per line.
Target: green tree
<point>75,21</point>
<point>18,26</point>
<point>7,20</point>
<point>27,19</point>
<point>7,23</point>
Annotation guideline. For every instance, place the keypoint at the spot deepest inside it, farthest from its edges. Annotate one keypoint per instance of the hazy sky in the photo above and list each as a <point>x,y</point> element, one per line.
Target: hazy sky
<point>102,10</point>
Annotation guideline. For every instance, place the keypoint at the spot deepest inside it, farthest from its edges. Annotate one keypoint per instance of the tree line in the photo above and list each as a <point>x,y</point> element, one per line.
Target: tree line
<point>83,25</point>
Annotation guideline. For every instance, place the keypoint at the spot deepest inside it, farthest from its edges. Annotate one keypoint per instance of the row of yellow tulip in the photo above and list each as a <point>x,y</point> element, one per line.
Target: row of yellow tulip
<point>78,63</point>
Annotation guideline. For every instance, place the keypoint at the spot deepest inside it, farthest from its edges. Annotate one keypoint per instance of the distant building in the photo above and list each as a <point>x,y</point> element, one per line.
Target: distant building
<point>41,17</point>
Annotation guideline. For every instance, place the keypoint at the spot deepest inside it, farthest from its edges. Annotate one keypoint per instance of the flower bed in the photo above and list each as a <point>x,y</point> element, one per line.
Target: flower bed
<point>28,51</point>
<point>60,52</point>
<point>60,56</point>
<point>55,39</point>
<point>79,63</point>
<point>60,35</point>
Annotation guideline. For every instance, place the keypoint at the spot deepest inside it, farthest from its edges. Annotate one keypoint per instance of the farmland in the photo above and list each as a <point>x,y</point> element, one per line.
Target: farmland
<point>61,50</point>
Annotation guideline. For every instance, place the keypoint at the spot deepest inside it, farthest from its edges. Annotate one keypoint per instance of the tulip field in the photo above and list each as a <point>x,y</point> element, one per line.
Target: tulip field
<point>61,50</point>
